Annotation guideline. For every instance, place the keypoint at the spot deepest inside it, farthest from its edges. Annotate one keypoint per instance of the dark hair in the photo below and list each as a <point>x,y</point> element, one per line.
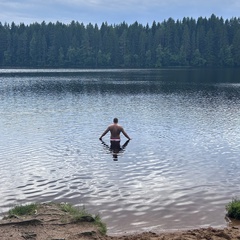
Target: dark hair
<point>115,120</point>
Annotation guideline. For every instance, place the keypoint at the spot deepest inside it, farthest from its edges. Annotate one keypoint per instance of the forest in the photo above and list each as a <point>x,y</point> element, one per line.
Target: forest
<point>202,42</point>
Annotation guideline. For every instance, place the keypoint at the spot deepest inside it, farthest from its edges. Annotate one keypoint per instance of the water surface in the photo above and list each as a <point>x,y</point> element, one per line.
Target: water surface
<point>180,169</point>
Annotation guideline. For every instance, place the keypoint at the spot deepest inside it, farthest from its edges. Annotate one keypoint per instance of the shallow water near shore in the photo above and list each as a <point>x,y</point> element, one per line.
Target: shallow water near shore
<point>180,169</point>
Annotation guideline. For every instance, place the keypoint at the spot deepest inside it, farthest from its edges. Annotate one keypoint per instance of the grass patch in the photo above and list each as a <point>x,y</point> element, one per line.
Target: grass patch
<point>73,214</point>
<point>78,214</point>
<point>233,209</point>
<point>101,225</point>
<point>23,210</point>
<point>66,207</point>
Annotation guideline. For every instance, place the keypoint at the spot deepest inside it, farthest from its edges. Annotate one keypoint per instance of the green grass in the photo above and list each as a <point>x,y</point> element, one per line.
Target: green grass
<point>23,210</point>
<point>78,214</point>
<point>66,207</point>
<point>101,225</point>
<point>233,209</point>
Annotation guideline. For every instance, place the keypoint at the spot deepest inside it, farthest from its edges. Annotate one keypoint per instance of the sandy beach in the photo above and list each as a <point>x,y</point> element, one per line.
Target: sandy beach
<point>50,223</point>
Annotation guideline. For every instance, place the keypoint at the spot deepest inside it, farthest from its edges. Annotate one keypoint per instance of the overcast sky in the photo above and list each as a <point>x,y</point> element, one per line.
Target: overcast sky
<point>113,11</point>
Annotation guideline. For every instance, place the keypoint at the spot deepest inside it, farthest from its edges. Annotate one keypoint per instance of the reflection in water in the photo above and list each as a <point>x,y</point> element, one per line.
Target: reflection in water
<point>115,148</point>
<point>181,171</point>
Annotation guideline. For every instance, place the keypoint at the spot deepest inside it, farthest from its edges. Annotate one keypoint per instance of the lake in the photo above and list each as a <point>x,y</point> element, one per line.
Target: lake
<point>180,169</point>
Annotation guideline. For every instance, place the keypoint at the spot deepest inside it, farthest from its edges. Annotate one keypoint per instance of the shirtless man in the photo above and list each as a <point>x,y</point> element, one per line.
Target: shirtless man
<point>115,131</point>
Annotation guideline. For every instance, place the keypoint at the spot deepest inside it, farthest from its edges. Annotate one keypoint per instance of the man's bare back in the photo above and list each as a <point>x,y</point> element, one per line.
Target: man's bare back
<point>115,130</point>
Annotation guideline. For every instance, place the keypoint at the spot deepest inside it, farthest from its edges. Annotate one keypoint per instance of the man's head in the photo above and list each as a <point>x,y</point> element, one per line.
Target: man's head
<point>115,120</point>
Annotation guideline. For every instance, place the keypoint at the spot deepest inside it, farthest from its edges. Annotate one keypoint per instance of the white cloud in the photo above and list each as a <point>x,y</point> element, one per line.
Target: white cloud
<point>113,11</point>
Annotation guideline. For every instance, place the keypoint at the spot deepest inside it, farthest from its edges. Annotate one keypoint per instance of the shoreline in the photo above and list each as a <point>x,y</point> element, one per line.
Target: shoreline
<point>50,221</point>
<point>231,231</point>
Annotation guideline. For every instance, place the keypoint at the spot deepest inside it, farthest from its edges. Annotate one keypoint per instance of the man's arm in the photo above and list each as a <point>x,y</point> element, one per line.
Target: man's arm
<point>125,134</point>
<point>104,133</point>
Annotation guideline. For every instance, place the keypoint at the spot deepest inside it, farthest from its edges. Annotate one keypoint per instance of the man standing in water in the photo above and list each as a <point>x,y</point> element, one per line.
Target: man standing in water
<point>115,130</point>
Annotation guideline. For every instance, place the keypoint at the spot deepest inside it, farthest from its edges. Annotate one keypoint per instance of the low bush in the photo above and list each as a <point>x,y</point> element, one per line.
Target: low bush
<point>233,209</point>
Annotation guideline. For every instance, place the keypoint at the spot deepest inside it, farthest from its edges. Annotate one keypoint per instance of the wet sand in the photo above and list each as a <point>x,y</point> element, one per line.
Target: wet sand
<point>53,224</point>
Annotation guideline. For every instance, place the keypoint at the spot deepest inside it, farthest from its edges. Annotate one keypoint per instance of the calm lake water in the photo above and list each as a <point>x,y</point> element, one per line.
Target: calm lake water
<point>180,169</point>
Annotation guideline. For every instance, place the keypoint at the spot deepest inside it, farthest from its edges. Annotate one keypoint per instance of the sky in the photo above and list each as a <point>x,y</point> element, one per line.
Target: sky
<point>113,11</point>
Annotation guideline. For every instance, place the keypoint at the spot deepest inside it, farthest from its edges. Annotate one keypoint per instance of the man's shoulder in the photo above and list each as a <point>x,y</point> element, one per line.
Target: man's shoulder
<point>116,126</point>
<point>120,127</point>
<point>111,126</point>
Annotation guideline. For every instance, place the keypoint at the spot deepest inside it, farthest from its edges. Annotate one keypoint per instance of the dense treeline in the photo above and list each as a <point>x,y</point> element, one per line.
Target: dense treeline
<point>189,42</point>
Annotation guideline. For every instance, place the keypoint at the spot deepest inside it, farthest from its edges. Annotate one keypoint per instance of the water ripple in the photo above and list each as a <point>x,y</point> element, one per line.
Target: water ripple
<point>180,169</point>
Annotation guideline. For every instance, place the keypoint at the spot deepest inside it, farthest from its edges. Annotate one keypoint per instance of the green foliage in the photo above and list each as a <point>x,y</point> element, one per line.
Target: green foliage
<point>23,210</point>
<point>79,214</point>
<point>66,207</point>
<point>101,225</point>
<point>186,42</point>
<point>233,209</point>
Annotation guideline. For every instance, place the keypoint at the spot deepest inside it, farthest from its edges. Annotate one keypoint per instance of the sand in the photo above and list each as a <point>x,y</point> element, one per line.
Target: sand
<point>51,223</point>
